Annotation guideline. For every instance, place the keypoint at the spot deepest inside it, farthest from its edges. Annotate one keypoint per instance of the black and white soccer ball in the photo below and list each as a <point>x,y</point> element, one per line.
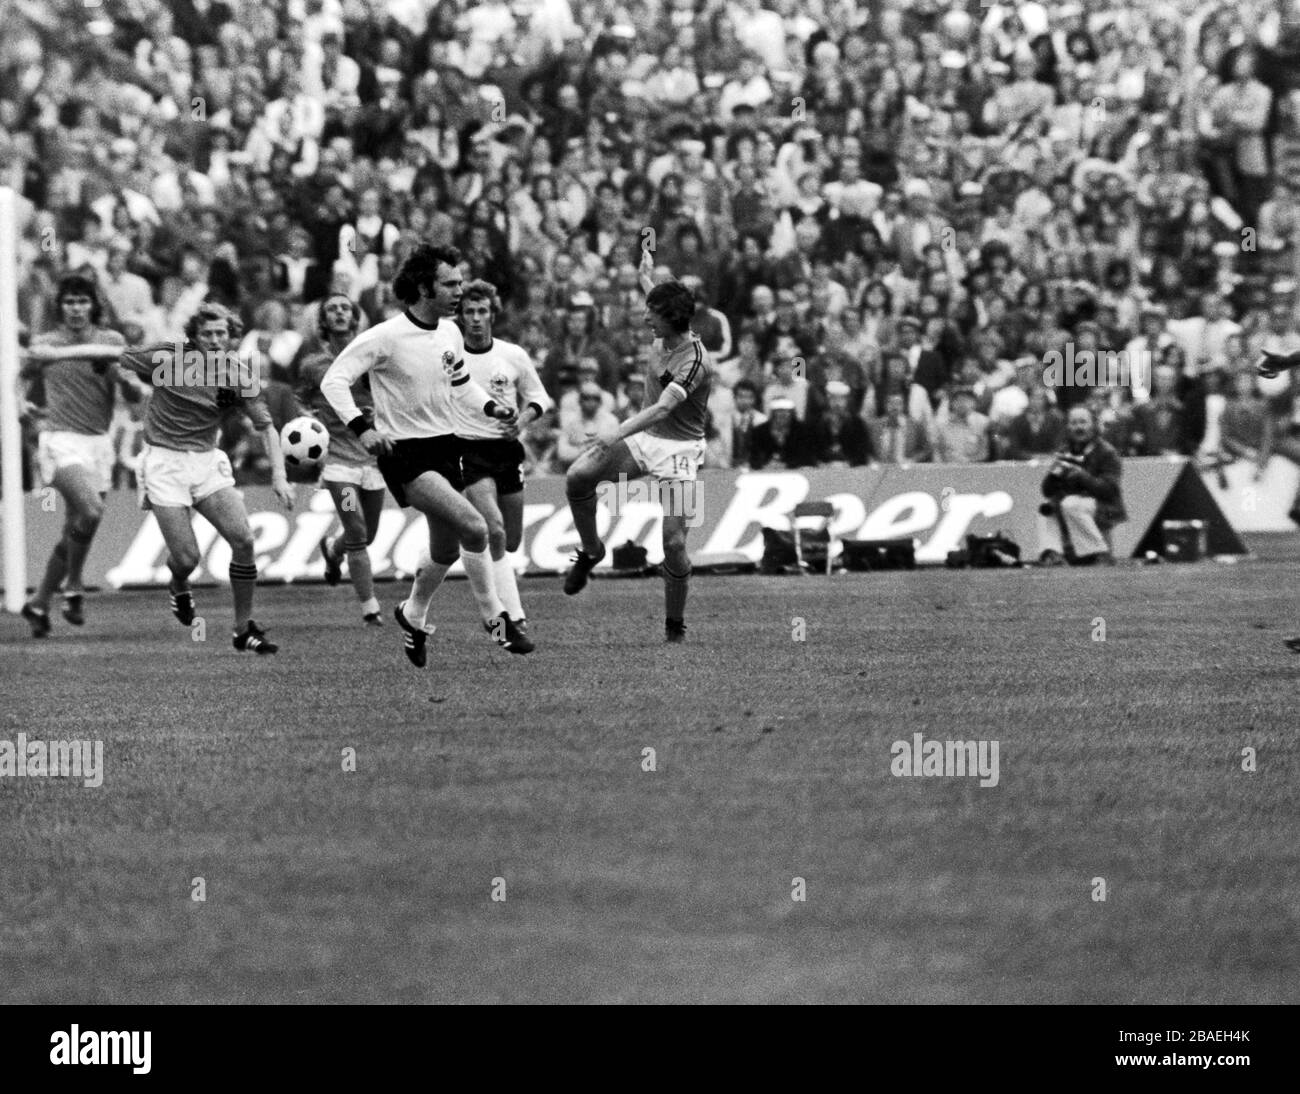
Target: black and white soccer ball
<point>304,442</point>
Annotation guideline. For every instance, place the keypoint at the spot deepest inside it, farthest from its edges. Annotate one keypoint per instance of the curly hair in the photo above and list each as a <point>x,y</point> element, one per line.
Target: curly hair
<point>209,312</point>
<point>421,268</point>
<point>77,285</point>
<point>674,302</point>
<point>479,289</point>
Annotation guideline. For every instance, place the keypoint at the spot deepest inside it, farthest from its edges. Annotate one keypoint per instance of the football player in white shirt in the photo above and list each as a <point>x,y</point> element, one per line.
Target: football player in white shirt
<point>491,458</point>
<point>416,364</point>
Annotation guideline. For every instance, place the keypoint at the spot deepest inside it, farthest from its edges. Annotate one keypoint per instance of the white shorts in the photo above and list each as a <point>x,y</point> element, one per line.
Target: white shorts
<point>168,477</point>
<point>57,449</point>
<point>667,460</point>
<point>366,476</point>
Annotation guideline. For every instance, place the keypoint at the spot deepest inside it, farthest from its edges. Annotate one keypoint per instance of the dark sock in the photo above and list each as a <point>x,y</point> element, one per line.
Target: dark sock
<point>675,588</point>
<point>584,520</point>
<point>55,571</point>
<point>78,542</point>
<point>243,580</point>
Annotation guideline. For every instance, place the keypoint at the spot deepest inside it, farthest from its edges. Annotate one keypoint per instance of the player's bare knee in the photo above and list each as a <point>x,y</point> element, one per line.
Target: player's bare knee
<point>473,531</point>
<point>184,562</point>
<point>496,541</point>
<point>578,483</point>
<point>87,520</point>
<point>241,546</point>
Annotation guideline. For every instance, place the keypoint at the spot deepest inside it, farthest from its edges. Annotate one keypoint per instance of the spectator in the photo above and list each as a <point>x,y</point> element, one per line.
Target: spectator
<point>1160,424</point>
<point>777,443</point>
<point>271,346</point>
<point>734,444</point>
<point>788,380</point>
<point>964,436</point>
<point>1245,426</point>
<point>583,428</point>
<point>836,437</point>
<point>897,438</point>
<point>1038,431</point>
<point>126,293</point>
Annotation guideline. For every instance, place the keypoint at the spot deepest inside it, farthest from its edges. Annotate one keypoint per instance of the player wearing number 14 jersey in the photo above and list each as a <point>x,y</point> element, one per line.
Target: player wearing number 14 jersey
<point>664,440</point>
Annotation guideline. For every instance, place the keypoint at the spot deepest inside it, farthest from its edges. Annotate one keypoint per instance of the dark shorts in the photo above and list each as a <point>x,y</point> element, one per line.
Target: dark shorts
<point>412,458</point>
<point>502,461</point>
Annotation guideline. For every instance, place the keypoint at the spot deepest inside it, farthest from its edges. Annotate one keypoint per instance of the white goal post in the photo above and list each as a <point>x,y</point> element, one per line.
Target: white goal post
<point>11,446</point>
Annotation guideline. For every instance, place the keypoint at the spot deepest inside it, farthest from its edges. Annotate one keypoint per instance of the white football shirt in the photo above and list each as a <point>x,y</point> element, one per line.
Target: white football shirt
<point>417,378</point>
<point>506,372</point>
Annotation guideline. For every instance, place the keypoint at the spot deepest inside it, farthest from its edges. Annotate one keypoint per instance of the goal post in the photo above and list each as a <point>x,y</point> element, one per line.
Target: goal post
<point>12,529</point>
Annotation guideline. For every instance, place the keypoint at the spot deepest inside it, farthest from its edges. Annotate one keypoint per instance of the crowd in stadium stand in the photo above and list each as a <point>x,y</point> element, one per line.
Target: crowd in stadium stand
<point>892,211</point>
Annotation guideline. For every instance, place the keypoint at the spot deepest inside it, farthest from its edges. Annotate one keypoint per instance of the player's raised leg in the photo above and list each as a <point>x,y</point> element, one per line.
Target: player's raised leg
<point>174,521</point>
<point>598,464</point>
<point>225,511</point>
<point>504,513</point>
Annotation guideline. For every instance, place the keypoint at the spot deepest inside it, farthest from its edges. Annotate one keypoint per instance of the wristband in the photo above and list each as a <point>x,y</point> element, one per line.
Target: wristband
<point>358,425</point>
<point>490,406</point>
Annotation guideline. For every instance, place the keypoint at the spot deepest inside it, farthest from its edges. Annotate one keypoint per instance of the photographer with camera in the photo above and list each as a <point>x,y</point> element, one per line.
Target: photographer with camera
<point>1083,492</point>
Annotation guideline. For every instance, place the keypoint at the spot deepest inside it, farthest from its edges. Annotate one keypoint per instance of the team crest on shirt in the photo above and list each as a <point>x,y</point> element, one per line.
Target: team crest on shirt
<point>499,382</point>
<point>448,362</point>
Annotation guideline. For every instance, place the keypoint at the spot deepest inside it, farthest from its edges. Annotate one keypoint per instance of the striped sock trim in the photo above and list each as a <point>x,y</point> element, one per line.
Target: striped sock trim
<point>243,571</point>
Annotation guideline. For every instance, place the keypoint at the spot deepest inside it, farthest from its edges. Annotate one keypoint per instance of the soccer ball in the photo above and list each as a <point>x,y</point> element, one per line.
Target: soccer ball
<point>304,442</point>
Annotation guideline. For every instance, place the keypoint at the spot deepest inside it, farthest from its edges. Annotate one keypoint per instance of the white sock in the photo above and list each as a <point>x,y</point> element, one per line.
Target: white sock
<point>428,577</point>
<point>370,607</point>
<point>503,573</point>
<point>478,568</point>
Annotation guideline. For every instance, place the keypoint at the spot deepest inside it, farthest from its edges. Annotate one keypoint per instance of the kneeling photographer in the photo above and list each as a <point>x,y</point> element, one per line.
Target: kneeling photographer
<point>1083,492</point>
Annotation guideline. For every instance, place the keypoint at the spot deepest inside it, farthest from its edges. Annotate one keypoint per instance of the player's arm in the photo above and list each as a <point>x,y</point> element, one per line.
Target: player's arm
<point>94,351</point>
<point>257,411</point>
<point>533,399</point>
<point>357,358</point>
<point>1270,364</point>
<point>471,395</point>
<point>673,396</point>
<point>646,272</point>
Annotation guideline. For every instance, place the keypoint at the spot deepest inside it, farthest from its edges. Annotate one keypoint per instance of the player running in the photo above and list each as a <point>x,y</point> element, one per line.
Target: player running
<point>416,364</point>
<point>350,474</point>
<point>75,361</point>
<point>492,459</point>
<point>182,469</point>
<point>1269,366</point>
<point>665,440</point>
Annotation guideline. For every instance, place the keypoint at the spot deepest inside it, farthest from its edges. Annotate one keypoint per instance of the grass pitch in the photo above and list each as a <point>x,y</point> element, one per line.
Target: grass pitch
<point>1119,759</point>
